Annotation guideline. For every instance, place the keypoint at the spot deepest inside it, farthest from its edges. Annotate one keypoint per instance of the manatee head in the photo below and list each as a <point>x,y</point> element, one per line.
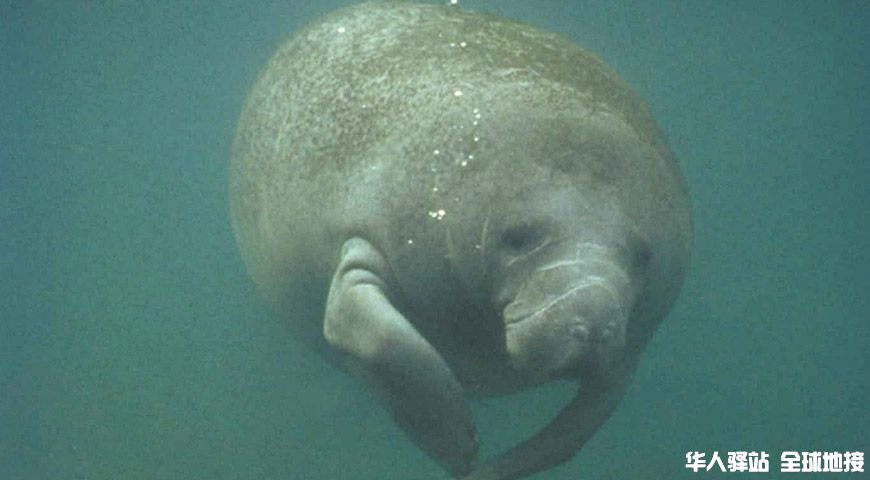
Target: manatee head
<point>576,241</point>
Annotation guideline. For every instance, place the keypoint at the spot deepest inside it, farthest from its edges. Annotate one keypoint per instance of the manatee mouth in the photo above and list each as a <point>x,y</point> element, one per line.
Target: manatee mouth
<point>584,324</point>
<point>521,309</point>
<point>589,298</point>
<point>569,314</point>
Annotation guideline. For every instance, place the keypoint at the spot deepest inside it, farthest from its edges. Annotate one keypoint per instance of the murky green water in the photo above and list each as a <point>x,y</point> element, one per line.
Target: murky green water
<point>133,346</point>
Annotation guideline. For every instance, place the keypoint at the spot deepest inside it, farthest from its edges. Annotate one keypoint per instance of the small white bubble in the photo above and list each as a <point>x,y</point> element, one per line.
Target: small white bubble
<point>476,139</point>
<point>454,2</point>
<point>464,163</point>
<point>452,44</point>
<point>474,122</point>
<point>341,30</point>
<point>476,110</point>
<point>410,242</point>
<point>471,157</point>
<point>434,189</point>
<point>436,152</point>
<point>457,93</point>
<point>438,214</point>
<point>477,116</point>
<point>462,44</point>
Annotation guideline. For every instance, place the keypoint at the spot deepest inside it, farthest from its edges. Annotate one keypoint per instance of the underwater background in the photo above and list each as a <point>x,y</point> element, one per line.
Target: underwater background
<point>133,344</point>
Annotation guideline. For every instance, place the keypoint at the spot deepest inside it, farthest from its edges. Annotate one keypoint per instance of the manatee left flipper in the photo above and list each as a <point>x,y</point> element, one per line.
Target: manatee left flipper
<point>405,371</point>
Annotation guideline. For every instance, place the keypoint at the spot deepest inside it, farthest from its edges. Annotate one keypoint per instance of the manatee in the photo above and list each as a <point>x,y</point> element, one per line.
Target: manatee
<point>452,205</point>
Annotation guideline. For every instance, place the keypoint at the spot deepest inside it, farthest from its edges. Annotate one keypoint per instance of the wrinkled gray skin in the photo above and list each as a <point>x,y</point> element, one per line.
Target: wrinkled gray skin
<point>476,205</point>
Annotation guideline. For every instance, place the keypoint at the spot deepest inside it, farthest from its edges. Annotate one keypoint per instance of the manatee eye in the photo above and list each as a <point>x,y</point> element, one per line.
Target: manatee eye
<point>521,237</point>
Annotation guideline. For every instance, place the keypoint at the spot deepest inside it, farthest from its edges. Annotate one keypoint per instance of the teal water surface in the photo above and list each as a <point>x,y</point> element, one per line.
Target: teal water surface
<point>132,343</point>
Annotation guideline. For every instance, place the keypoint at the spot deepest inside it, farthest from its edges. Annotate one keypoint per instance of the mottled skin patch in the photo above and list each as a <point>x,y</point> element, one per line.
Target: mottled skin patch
<point>433,133</point>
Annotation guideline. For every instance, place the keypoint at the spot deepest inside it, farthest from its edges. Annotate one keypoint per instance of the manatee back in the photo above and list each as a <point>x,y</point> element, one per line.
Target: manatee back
<point>350,102</point>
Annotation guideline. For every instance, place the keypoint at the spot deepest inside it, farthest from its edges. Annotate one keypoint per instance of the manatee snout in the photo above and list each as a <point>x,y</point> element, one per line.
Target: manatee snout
<point>569,316</point>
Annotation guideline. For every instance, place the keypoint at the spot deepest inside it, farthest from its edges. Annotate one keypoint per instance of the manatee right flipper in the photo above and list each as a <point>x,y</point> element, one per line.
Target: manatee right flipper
<point>564,436</point>
<point>405,371</point>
